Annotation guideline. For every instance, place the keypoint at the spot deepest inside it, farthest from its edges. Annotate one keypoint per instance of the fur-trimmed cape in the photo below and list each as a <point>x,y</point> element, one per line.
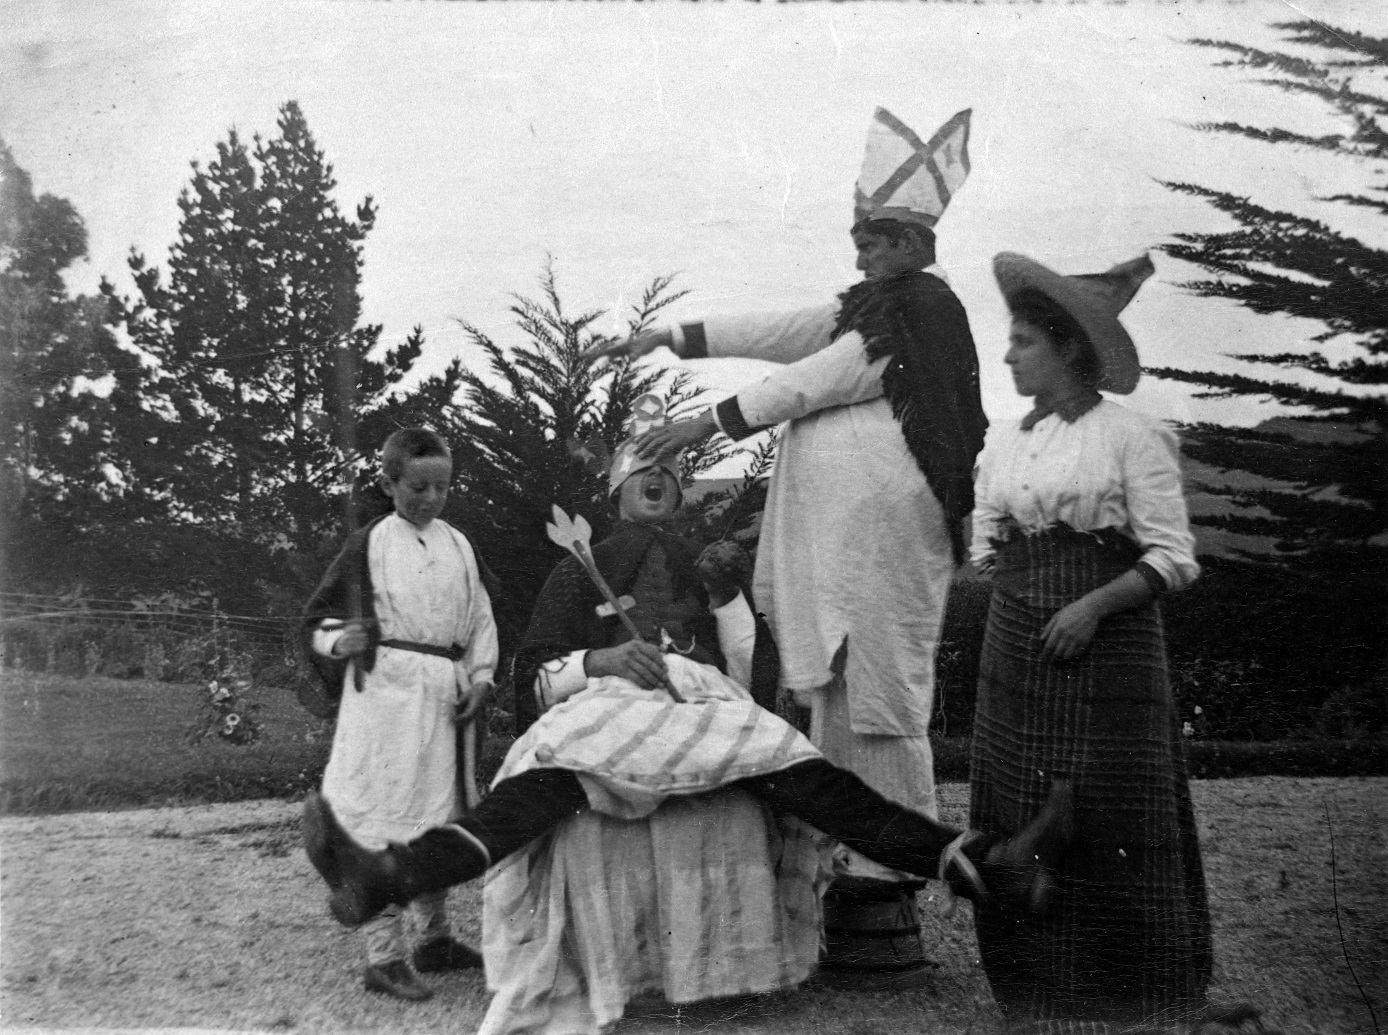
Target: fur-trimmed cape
<point>931,379</point>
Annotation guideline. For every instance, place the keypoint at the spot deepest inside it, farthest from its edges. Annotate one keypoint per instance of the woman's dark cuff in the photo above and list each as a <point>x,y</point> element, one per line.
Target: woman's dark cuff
<point>695,341</point>
<point>1152,577</point>
<point>731,421</point>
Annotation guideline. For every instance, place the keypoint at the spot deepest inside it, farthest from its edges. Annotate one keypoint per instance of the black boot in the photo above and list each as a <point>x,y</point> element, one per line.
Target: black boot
<point>361,882</point>
<point>1019,872</point>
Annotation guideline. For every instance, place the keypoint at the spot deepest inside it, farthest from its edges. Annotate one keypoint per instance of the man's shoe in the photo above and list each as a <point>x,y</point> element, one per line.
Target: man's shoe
<point>1021,871</point>
<point>362,882</point>
<point>442,954</point>
<point>397,979</point>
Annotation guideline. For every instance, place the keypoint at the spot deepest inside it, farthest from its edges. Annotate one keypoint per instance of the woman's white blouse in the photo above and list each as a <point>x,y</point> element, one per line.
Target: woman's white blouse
<point>1111,468</point>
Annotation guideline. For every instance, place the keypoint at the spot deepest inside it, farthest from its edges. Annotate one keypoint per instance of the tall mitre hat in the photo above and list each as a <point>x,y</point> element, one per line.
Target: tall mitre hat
<point>907,180</point>
<point>1094,300</point>
<point>647,412</point>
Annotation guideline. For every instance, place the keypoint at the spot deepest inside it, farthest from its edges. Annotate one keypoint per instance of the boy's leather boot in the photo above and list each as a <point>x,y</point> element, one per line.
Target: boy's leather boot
<point>362,882</point>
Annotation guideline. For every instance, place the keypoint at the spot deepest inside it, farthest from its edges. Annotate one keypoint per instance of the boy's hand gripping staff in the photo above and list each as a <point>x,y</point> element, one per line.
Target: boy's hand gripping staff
<point>576,535</point>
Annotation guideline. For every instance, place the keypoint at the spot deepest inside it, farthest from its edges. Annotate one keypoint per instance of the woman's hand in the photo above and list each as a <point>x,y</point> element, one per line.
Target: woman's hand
<point>1069,632</point>
<point>635,347</point>
<point>673,437</point>
<point>636,660</point>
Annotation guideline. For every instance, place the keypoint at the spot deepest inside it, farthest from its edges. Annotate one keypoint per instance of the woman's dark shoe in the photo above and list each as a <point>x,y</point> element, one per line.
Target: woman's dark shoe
<point>1021,871</point>
<point>362,882</point>
<point>443,954</point>
<point>397,979</point>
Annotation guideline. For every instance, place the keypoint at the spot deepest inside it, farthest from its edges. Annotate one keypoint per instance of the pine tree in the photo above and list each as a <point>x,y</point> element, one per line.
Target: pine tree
<point>512,446</point>
<point>1331,512</point>
<point>247,336</point>
<point>62,383</point>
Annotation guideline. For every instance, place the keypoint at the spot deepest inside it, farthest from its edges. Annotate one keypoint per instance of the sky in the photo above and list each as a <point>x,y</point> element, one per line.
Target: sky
<point>719,142</point>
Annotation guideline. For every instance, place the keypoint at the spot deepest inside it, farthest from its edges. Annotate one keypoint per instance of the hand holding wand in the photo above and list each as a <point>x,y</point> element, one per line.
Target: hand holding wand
<point>575,535</point>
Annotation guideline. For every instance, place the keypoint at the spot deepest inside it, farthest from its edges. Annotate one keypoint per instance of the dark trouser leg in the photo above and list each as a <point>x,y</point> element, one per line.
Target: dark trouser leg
<point>513,814</point>
<point>844,807</point>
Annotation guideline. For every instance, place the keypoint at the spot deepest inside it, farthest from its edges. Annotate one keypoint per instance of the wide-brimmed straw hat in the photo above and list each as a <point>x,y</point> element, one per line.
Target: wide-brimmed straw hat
<point>1094,300</point>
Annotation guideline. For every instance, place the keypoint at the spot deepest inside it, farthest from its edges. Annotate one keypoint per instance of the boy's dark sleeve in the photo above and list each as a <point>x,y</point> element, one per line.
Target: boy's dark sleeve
<point>557,628</point>
<point>331,600</point>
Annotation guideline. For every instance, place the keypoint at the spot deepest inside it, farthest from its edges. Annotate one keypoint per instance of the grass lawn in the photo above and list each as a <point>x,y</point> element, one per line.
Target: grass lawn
<point>69,743</point>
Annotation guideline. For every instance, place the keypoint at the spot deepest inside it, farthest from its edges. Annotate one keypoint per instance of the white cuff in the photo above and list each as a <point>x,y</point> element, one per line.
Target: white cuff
<point>676,339</point>
<point>327,634</point>
<point>560,679</point>
<point>737,636</point>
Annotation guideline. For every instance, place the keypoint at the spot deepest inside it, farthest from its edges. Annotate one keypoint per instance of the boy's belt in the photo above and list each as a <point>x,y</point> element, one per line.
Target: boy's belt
<point>453,653</point>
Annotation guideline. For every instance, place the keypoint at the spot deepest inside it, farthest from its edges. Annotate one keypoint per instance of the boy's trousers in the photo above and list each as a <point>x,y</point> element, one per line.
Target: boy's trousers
<point>385,932</point>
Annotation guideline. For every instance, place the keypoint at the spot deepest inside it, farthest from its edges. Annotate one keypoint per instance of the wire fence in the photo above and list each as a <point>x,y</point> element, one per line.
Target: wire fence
<point>157,639</point>
<point>141,615</point>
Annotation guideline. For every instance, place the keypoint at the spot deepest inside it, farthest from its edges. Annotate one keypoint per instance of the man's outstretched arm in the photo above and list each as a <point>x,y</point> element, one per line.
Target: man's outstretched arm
<point>774,337</point>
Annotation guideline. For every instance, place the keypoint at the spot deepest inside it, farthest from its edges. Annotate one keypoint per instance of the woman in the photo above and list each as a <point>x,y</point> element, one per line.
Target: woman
<point>1080,518</point>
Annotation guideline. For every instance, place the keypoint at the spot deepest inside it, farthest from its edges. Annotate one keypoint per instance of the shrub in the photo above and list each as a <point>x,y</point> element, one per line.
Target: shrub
<point>1266,653</point>
<point>956,661</point>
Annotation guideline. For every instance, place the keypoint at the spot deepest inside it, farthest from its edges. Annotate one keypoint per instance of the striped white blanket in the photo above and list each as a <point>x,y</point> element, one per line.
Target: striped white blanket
<point>634,748</point>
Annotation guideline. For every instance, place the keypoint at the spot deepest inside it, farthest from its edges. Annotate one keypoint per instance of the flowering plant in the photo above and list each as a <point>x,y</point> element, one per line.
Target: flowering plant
<point>227,714</point>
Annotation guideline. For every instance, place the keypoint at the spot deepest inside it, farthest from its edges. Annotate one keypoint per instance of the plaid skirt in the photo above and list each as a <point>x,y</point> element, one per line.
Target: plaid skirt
<point>1128,938</point>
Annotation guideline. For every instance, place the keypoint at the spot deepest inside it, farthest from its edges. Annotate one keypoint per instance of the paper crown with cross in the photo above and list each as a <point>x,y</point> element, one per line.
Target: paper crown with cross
<point>909,180</point>
<point>648,411</point>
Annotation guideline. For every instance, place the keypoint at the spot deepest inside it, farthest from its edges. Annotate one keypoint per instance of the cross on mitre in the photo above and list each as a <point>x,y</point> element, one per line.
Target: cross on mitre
<point>647,412</point>
<point>907,179</point>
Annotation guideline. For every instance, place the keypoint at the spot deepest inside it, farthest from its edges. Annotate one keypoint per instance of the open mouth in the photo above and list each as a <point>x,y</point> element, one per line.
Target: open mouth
<point>655,492</point>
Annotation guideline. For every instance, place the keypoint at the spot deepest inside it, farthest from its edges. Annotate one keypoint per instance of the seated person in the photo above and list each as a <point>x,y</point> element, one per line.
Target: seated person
<point>734,895</point>
<point>705,897</point>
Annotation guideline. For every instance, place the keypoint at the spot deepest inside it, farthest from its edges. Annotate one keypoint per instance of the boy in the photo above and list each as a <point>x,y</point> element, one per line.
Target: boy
<point>417,657</point>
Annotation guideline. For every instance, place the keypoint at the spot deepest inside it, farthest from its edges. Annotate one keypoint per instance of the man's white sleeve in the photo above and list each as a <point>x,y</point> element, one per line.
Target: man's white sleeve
<point>839,375</point>
<point>774,337</point>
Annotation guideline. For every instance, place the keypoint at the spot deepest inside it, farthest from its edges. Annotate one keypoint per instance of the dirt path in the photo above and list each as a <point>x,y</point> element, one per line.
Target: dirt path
<point>211,918</point>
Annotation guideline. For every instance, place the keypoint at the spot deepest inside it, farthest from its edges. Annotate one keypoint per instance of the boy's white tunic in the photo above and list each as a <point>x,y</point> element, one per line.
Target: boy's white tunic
<point>392,772</point>
<point>853,544</point>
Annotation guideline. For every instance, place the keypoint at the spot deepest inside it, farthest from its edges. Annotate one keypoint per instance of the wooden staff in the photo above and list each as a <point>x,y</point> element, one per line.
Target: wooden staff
<point>345,364</point>
<point>576,535</point>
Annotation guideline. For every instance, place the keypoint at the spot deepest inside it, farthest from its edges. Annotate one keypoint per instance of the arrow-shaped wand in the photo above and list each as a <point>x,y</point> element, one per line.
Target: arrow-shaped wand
<point>575,535</point>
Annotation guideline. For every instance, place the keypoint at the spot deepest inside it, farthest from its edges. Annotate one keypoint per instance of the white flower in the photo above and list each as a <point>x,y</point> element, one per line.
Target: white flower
<point>1199,710</point>
<point>1187,730</point>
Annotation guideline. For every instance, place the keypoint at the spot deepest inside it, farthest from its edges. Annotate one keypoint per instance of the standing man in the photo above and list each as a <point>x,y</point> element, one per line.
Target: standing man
<point>863,526</point>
